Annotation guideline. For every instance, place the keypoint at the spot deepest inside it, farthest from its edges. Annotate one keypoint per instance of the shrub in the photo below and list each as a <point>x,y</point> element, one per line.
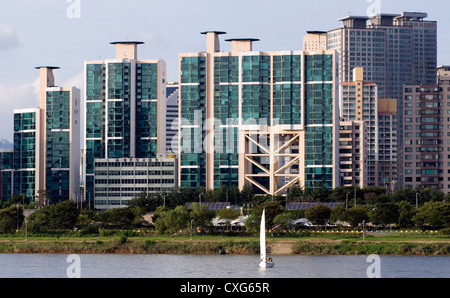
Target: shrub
<point>445,231</point>
<point>122,239</point>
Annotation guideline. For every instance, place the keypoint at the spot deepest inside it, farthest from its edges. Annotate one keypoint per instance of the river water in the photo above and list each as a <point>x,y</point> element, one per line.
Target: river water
<point>219,266</point>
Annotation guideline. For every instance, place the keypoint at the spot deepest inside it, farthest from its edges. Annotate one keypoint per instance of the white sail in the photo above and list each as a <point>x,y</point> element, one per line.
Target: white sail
<point>262,238</point>
<point>264,263</point>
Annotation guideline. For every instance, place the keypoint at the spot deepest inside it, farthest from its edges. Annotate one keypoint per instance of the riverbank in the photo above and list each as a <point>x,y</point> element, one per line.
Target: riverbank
<point>226,245</point>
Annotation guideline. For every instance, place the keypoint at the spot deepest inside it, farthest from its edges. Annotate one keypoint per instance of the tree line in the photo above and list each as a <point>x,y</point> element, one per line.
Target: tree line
<point>403,208</point>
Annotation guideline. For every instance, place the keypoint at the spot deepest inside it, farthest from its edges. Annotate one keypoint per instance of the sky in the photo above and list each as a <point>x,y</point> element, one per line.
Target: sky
<point>66,33</point>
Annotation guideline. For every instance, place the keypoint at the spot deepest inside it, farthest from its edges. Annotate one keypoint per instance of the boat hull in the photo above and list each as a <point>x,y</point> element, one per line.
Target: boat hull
<point>266,264</point>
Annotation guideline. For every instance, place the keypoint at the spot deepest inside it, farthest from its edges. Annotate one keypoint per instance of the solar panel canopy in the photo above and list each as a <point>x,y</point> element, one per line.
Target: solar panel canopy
<point>304,205</point>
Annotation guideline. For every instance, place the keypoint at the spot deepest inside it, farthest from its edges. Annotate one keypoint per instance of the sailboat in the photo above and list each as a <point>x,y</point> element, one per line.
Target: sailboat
<point>264,263</point>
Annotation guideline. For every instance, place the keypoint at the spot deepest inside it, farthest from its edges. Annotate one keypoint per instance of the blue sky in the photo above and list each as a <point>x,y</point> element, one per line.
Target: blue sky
<point>65,33</point>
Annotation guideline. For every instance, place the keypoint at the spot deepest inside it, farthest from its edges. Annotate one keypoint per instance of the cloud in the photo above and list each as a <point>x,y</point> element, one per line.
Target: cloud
<point>75,81</point>
<point>25,96</point>
<point>8,37</point>
<point>13,97</point>
<point>151,39</point>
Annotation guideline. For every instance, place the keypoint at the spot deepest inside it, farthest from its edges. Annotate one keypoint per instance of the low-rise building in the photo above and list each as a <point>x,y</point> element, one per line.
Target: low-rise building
<point>118,180</point>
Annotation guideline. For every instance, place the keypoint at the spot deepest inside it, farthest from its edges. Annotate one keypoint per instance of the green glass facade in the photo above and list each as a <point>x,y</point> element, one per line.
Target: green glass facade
<point>246,86</point>
<point>118,110</point>
<point>319,105</point>
<point>25,144</point>
<point>95,112</point>
<point>57,150</point>
<point>287,107</point>
<point>256,97</point>
<point>193,110</point>
<point>226,111</point>
<point>6,167</point>
<point>146,109</point>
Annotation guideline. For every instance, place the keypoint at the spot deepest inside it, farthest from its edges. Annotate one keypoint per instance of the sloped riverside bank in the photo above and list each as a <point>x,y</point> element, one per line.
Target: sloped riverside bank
<point>224,245</point>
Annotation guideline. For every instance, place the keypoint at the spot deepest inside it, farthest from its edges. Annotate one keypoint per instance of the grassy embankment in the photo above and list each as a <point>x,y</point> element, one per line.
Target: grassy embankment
<point>343,244</point>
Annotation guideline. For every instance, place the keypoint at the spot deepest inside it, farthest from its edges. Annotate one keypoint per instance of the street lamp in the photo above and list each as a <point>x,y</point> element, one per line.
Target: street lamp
<point>364,221</point>
<point>346,201</point>
<point>417,201</point>
<point>191,228</point>
<point>17,217</point>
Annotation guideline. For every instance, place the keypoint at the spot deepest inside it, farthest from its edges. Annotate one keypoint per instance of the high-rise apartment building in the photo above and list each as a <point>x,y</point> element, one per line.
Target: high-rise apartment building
<point>6,174</point>
<point>268,119</point>
<point>46,144</point>
<point>393,49</point>
<point>427,134</point>
<point>386,165</point>
<point>172,117</point>
<point>353,153</point>
<point>62,141</point>
<point>359,103</point>
<point>26,154</point>
<point>125,105</point>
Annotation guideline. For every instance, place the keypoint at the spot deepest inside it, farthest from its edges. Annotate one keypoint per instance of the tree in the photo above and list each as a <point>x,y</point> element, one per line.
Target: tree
<point>146,201</point>
<point>338,214</point>
<point>405,194</point>
<point>201,215</point>
<point>54,217</point>
<point>384,214</point>
<point>295,193</point>
<point>429,194</point>
<point>272,210</point>
<point>321,194</point>
<point>43,197</point>
<point>283,219</point>
<point>318,214</point>
<point>11,218</point>
<point>435,214</point>
<point>173,220</point>
<point>85,218</point>
<point>228,213</point>
<point>64,215</point>
<point>19,199</point>
<point>356,215</point>
<point>247,195</point>
<point>406,213</point>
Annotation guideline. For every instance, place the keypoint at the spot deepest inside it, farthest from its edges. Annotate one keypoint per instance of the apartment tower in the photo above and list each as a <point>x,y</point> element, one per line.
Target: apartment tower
<point>393,49</point>
<point>125,108</point>
<point>426,134</point>
<point>267,119</point>
<point>46,153</point>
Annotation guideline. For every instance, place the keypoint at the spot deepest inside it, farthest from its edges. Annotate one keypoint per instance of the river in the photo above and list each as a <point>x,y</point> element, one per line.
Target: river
<point>219,266</point>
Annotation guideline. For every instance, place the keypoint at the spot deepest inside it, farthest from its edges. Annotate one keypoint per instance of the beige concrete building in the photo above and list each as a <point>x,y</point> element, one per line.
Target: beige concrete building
<point>358,102</point>
<point>353,153</point>
<point>315,40</point>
